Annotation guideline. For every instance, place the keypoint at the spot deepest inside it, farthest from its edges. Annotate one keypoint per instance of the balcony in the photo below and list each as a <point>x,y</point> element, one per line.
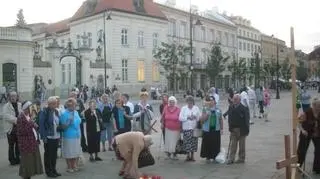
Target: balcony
<point>199,66</point>
<point>15,34</point>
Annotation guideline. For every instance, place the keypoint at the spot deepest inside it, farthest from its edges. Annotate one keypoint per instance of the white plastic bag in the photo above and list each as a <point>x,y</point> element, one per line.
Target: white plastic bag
<point>221,157</point>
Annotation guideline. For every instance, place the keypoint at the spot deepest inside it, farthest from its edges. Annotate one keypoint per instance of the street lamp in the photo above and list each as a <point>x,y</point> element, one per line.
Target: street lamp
<point>256,55</point>
<point>102,41</point>
<point>198,23</point>
<point>278,66</point>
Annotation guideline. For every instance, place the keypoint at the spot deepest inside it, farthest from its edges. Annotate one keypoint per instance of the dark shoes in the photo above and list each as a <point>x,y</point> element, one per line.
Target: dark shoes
<point>95,159</point>
<point>53,175</point>
<point>14,163</point>
<point>98,159</point>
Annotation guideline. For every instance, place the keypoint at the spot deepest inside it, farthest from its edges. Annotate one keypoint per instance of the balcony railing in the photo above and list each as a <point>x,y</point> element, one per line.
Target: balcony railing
<point>18,34</point>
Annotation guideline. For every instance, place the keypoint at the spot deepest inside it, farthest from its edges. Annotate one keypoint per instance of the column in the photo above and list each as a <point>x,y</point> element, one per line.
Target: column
<point>85,70</point>
<point>56,72</point>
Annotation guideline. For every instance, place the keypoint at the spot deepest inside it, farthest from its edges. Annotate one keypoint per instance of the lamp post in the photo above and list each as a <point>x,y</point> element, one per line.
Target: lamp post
<point>198,22</point>
<point>256,55</point>
<point>102,41</point>
<point>278,92</point>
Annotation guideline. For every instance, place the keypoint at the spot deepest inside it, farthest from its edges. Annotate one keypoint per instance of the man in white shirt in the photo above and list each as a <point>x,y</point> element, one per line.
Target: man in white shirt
<point>252,102</point>
<point>245,100</point>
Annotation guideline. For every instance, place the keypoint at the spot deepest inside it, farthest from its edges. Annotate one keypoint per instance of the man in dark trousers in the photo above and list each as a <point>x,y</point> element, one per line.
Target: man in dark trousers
<point>238,120</point>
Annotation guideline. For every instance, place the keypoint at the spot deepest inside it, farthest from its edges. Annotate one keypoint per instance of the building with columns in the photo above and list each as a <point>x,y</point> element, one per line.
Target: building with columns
<point>214,28</point>
<point>132,29</point>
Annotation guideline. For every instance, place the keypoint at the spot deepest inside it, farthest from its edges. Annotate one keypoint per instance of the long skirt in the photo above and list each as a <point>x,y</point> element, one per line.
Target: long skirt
<point>211,143</point>
<point>93,142</point>
<point>190,143</point>
<point>71,148</point>
<point>171,138</point>
<point>30,164</point>
<point>107,134</point>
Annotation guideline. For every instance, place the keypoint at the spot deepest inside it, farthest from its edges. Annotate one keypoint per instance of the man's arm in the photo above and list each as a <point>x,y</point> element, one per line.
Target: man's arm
<point>7,116</point>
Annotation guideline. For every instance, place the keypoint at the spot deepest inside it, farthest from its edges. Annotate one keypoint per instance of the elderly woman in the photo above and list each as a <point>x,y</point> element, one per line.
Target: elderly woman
<point>122,120</point>
<point>143,113</point>
<point>105,108</point>
<point>189,116</point>
<point>93,129</point>
<point>28,144</point>
<point>170,118</point>
<point>212,127</point>
<point>70,122</point>
<point>310,131</point>
<point>128,147</point>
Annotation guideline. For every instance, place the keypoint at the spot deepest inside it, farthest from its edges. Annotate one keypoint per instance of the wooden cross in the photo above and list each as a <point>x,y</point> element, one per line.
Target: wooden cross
<point>289,159</point>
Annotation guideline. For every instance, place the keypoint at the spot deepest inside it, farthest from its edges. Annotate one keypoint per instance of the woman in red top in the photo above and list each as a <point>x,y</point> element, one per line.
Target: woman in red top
<point>28,144</point>
<point>170,117</point>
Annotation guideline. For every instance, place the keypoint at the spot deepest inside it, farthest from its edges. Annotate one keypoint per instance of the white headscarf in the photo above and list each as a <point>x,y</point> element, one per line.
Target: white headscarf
<point>26,105</point>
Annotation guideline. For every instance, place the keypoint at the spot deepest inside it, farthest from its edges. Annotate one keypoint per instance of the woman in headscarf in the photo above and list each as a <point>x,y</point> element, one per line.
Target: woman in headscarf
<point>189,116</point>
<point>93,129</point>
<point>70,122</point>
<point>128,147</point>
<point>170,118</point>
<point>143,113</point>
<point>212,127</point>
<point>28,142</point>
<point>310,131</point>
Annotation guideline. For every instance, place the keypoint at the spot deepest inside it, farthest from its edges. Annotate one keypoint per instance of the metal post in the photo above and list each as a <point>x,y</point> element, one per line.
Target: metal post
<point>191,52</point>
<point>104,50</point>
<point>277,83</point>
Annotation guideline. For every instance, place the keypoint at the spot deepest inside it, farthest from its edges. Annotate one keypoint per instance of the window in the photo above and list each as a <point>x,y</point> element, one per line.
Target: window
<point>248,34</point>
<point>124,37</point>
<point>240,46</point>
<point>140,39</point>
<point>172,28</point>
<point>255,36</point>
<point>219,36</point>
<point>252,48</point>
<point>155,72</point>
<point>256,48</point>
<point>233,40</point>
<point>140,70</point>
<point>244,46</point>
<point>183,30</point>
<point>203,34</point>
<point>248,47</point>
<point>90,39</point>
<point>212,38</point>
<point>203,55</point>
<point>226,38</point>
<point>252,35</point>
<point>239,31</point>
<point>63,70</point>
<point>155,40</point>
<point>69,73</point>
<point>78,41</point>
<point>62,43</point>
<point>124,70</point>
<point>41,50</point>
<point>244,33</point>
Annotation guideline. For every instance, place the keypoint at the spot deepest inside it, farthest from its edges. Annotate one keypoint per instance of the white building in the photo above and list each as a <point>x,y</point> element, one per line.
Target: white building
<point>214,29</point>
<point>134,30</point>
<point>16,60</point>
<point>249,42</point>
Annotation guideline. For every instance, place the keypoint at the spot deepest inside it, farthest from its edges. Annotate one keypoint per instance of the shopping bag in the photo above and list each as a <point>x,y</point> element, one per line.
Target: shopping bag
<point>145,158</point>
<point>221,157</point>
<point>81,161</point>
<point>179,147</point>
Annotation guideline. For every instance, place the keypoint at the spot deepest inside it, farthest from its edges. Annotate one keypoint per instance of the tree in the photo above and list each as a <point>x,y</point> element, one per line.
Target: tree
<point>20,19</point>
<point>216,63</point>
<point>172,58</point>
<point>238,70</point>
<point>285,68</point>
<point>302,72</point>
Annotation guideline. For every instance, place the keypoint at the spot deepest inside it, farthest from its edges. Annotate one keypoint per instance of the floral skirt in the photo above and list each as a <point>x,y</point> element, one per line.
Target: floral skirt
<point>190,143</point>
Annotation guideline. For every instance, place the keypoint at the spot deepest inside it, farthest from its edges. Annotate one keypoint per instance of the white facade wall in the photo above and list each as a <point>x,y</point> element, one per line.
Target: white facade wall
<point>248,38</point>
<point>16,47</point>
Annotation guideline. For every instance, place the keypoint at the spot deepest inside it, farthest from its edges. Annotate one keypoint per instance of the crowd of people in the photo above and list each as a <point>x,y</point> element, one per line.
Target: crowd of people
<point>118,125</point>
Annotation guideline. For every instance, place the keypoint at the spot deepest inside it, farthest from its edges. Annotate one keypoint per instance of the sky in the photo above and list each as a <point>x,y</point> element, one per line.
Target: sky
<point>272,17</point>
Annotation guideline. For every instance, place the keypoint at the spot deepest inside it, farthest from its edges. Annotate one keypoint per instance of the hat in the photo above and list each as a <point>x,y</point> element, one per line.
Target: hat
<point>26,105</point>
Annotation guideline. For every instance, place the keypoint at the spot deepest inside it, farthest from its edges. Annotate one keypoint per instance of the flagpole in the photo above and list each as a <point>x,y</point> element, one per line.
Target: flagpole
<point>294,93</point>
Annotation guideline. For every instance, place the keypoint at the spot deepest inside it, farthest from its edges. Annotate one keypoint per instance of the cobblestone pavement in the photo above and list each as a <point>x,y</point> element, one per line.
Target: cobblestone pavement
<point>264,147</point>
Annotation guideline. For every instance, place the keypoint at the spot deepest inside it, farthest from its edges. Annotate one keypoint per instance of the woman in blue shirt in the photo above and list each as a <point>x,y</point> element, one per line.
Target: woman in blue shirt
<point>70,123</point>
<point>121,117</point>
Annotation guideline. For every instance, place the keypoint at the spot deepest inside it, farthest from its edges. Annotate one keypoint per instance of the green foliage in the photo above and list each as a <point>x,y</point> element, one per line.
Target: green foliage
<point>270,68</point>
<point>285,68</point>
<point>172,58</point>
<point>20,19</point>
<point>238,69</point>
<point>216,63</point>
<point>302,72</point>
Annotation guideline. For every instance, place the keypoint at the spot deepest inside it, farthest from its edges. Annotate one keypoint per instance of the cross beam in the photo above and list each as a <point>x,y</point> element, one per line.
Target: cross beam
<point>289,159</point>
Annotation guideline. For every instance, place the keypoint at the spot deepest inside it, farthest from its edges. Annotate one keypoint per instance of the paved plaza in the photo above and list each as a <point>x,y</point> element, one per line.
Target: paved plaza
<point>264,147</point>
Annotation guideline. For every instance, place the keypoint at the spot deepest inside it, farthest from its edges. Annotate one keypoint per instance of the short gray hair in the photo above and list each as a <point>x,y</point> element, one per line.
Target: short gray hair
<point>52,99</point>
<point>190,99</point>
<point>172,98</point>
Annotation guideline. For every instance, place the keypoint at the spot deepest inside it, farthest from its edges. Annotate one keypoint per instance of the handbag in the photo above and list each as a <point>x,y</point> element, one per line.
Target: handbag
<point>179,147</point>
<point>145,158</point>
<point>197,132</point>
